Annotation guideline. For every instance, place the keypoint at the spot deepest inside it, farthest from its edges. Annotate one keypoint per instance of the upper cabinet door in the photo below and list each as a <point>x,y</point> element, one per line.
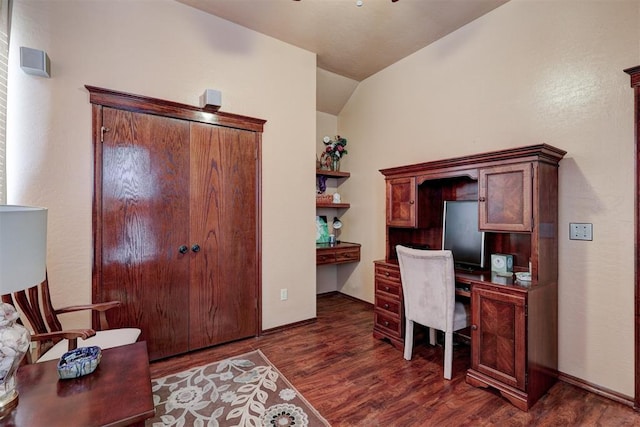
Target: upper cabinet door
<point>401,202</point>
<point>505,194</point>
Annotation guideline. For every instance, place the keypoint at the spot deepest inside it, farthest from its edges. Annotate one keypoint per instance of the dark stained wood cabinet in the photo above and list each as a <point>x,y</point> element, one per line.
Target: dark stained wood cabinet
<point>634,73</point>
<point>499,327</point>
<point>505,198</point>
<point>401,206</point>
<point>388,312</point>
<point>514,330</point>
<point>176,220</point>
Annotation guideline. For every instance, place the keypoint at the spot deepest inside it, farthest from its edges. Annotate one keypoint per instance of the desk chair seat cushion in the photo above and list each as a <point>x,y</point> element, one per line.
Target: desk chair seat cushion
<point>461,316</point>
<point>103,339</point>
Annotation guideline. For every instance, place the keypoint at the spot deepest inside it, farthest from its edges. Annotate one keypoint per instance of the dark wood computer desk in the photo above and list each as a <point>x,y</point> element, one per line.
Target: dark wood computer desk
<point>117,393</point>
<point>465,278</point>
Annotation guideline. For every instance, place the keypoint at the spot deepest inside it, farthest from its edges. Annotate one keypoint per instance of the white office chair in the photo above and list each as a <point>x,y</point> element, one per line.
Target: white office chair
<point>428,288</point>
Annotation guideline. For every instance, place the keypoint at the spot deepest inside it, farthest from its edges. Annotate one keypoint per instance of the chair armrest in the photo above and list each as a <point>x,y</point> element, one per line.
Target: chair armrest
<point>71,335</point>
<point>100,307</point>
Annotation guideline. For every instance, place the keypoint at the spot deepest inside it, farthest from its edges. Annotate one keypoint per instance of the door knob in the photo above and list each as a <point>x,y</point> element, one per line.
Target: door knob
<point>183,249</point>
<point>195,248</point>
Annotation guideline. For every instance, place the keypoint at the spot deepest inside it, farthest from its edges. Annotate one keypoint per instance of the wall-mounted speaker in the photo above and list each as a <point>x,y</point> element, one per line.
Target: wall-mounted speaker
<point>211,99</point>
<point>34,61</point>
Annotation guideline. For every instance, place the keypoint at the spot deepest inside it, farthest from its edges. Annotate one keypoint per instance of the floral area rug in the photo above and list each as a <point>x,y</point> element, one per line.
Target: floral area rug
<point>245,390</point>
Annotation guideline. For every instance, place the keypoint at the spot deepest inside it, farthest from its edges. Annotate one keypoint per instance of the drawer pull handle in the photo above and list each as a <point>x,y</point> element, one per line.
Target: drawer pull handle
<point>386,273</point>
<point>385,323</point>
<point>474,327</point>
<point>386,306</point>
<point>411,202</point>
<point>386,288</point>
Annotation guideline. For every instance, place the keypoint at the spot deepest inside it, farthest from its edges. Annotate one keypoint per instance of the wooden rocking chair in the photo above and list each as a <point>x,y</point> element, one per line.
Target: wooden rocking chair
<point>51,340</point>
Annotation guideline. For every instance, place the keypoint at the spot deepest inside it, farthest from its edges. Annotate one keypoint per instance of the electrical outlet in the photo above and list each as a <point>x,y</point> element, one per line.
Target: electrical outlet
<point>580,231</point>
<point>283,294</point>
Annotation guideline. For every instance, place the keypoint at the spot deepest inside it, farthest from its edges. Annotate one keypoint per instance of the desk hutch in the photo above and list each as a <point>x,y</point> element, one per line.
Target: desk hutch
<point>514,331</point>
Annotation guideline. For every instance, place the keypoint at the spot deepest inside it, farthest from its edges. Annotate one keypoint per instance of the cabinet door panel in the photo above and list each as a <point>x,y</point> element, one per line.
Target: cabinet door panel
<point>401,207</point>
<point>144,220</point>
<point>498,342</point>
<point>224,273</point>
<point>506,197</point>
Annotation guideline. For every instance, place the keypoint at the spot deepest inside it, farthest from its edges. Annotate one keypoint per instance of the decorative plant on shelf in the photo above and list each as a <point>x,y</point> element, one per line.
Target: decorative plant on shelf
<point>334,150</point>
<point>335,147</point>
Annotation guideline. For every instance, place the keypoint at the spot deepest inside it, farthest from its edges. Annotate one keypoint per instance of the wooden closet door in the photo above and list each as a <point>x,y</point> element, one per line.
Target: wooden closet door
<point>224,220</point>
<point>144,220</point>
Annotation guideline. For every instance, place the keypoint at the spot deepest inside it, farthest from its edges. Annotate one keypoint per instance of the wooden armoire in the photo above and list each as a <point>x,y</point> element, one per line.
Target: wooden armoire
<point>176,220</point>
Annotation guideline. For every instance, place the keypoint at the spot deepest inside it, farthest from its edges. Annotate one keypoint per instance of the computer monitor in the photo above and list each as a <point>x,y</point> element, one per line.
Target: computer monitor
<point>460,234</point>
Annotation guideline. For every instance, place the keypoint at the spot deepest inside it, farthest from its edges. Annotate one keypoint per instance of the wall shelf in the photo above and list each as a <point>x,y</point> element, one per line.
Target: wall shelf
<point>332,174</point>
<point>333,205</point>
<point>341,252</point>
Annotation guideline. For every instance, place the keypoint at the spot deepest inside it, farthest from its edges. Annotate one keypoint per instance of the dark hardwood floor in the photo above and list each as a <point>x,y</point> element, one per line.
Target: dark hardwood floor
<point>353,379</point>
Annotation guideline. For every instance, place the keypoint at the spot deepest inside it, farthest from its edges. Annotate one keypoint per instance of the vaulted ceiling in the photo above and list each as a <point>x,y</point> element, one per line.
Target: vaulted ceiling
<point>351,42</point>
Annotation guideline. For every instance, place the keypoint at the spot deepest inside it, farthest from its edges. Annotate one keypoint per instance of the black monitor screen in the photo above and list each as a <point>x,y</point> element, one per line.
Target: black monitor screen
<point>460,233</point>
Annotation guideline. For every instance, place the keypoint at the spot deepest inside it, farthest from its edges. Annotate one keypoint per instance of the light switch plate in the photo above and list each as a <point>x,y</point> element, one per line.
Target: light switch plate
<point>580,231</point>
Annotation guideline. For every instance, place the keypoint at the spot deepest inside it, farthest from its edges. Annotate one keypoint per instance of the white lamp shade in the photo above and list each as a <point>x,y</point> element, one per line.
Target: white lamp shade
<point>23,247</point>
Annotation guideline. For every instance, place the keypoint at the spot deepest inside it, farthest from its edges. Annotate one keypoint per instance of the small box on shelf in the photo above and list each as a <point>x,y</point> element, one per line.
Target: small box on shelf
<point>324,198</point>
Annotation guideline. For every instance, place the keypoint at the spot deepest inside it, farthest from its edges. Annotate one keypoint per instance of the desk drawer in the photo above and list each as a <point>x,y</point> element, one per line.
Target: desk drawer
<point>325,258</point>
<point>388,287</point>
<point>387,323</point>
<point>338,253</point>
<point>348,255</point>
<point>389,305</point>
<point>388,272</point>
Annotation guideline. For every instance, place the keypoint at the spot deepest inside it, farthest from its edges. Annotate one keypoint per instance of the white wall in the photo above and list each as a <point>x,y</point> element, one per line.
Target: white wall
<point>167,50</point>
<point>529,72</point>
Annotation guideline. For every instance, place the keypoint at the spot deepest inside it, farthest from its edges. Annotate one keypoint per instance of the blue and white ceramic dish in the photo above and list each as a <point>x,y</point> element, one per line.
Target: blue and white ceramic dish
<point>79,362</point>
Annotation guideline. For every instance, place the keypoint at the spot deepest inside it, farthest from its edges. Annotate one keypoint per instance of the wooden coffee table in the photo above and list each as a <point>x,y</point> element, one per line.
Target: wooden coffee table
<point>117,393</point>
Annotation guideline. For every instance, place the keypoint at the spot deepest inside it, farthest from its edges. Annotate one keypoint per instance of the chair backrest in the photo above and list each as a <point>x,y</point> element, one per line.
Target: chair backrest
<point>35,304</point>
<point>428,286</point>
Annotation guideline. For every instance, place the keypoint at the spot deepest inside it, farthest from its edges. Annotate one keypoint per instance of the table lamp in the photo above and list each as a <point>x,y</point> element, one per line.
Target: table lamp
<point>337,225</point>
<point>23,247</point>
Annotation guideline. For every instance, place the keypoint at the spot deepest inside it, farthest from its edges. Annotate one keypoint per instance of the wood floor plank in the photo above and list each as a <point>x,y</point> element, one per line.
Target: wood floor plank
<point>353,379</point>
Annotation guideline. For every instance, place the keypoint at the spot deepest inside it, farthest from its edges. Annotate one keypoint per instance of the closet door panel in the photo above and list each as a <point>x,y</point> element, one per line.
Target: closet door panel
<point>223,293</point>
<point>145,215</point>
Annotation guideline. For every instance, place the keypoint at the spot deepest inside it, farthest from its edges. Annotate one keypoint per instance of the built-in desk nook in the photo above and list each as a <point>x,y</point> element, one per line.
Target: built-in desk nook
<point>514,329</point>
<point>337,253</point>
